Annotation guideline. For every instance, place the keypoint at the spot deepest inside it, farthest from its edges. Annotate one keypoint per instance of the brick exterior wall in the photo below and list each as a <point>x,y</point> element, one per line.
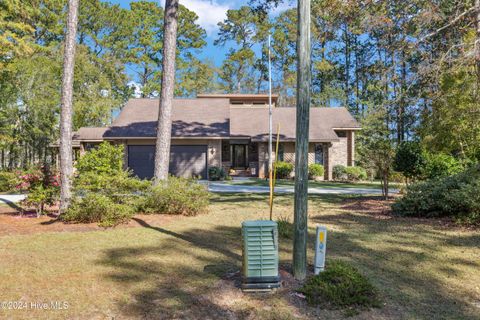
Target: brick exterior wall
<point>289,156</point>
<point>338,152</point>
<point>214,153</point>
<point>262,159</point>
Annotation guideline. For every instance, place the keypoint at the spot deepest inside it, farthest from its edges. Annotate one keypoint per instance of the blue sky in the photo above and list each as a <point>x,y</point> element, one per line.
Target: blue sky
<point>210,12</point>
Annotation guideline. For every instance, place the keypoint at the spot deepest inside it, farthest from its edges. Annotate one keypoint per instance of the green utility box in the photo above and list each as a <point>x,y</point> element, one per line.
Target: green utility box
<point>260,255</point>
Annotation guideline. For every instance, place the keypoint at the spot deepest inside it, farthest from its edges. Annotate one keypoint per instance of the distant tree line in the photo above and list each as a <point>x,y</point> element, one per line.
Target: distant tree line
<point>408,70</point>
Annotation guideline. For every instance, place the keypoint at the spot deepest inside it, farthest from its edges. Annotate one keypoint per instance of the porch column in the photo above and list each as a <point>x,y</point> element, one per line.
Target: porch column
<point>327,162</point>
<point>350,148</point>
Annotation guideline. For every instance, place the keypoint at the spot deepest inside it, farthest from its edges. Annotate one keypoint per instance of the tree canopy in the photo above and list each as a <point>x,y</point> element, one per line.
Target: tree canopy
<point>414,62</point>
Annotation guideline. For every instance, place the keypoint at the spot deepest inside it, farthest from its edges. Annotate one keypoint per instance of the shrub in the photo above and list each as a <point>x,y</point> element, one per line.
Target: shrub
<point>177,196</point>
<point>284,169</point>
<point>315,170</point>
<point>456,196</point>
<point>340,285</point>
<point>107,158</point>
<point>338,173</point>
<point>216,173</point>
<point>396,177</point>
<point>441,165</point>
<point>285,227</point>
<point>38,197</point>
<point>114,193</point>
<point>42,185</point>
<point>342,173</point>
<point>117,186</point>
<point>94,207</point>
<point>355,173</point>
<point>9,180</point>
<point>410,159</point>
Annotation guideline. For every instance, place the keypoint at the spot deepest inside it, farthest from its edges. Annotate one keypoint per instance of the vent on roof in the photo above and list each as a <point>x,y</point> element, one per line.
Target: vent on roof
<point>260,255</point>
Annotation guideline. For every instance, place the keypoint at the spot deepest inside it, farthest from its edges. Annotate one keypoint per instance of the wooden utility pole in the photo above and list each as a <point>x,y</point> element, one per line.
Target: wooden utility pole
<point>301,146</point>
<point>66,109</point>
<point>164,127</point>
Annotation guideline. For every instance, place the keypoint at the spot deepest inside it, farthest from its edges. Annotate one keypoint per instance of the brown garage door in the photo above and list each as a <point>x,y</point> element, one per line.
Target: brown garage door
<point>185,161</point>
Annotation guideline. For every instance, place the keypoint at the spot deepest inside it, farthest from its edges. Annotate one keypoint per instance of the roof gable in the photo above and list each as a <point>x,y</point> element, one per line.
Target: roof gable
<point>215,117</point>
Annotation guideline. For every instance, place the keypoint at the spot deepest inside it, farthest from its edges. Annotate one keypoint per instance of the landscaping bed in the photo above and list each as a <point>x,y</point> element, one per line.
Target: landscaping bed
<point>13,223</point>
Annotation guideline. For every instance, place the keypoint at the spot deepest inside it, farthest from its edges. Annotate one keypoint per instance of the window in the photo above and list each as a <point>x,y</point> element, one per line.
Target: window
<point>225,151</point>
<point>90,146</point>
<point>281,152</point>
<point>253,152</point>
<point>319,154</point>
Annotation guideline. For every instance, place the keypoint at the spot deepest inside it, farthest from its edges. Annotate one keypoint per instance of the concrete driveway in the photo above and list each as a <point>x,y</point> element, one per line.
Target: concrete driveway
<point>11,198</point>
<point>221,187</point>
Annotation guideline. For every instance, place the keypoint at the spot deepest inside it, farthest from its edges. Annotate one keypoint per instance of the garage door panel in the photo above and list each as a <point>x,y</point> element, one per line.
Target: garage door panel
<point>185,160</point>
<point>188,161</point>
<point>141,160</point>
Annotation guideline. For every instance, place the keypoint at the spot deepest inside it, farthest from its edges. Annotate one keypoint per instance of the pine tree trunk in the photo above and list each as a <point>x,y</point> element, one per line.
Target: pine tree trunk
<point>164,128</point>
<point>402,102</point>
<point>477,43</point>
<point>301,145</point>
<point>347,68</point>
<point>66,165</point>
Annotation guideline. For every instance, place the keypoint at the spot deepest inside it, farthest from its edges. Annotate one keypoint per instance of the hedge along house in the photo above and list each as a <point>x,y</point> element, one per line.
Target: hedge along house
<point>229,130</point>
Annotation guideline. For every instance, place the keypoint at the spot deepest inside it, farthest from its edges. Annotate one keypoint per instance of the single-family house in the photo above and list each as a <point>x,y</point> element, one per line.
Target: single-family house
<point>228,130</point>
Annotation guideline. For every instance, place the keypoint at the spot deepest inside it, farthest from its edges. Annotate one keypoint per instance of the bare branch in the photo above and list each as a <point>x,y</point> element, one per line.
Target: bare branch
<point>452,22</point>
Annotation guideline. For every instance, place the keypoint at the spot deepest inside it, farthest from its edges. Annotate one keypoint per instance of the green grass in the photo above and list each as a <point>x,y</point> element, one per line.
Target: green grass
<point>423,270</point>
<point>315,184</point>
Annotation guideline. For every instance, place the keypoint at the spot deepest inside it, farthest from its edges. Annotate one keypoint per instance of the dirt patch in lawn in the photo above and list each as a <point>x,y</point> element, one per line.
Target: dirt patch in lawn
<point>13,223</point>
<point>375,206</point>
<point>381,209</point>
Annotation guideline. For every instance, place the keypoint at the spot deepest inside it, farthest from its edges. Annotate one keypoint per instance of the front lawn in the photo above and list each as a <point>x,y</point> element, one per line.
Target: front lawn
<point>185,267</point>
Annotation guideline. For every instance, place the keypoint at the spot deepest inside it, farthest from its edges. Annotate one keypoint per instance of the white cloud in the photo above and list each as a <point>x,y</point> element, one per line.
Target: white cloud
<point>209,13</point>
<point>284,5</point>
<point>137,88</point>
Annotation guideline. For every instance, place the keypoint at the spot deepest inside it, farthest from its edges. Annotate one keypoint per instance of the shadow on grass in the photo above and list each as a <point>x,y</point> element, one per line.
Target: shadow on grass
<point>403,245</point>
<point>197,239</point>
<point>181,276</point>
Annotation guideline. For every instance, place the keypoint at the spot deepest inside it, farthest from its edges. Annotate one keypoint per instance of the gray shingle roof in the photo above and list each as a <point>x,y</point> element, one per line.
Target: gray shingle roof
<point>90,133</point>
<point>253,122</point>
<point>190,118</point>
<point>214,117</point>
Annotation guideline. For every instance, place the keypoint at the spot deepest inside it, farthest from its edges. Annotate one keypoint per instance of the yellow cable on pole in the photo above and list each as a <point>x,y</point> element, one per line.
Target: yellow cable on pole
<point>272,182</point>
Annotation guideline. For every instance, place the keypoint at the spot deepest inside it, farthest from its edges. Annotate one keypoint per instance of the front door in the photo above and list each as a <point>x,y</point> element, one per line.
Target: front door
<point>239,155</point>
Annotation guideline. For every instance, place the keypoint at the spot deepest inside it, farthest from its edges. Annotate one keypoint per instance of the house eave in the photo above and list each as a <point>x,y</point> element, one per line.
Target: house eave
<point>347,128</point>
<point>178,138</point>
